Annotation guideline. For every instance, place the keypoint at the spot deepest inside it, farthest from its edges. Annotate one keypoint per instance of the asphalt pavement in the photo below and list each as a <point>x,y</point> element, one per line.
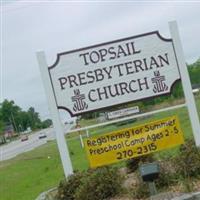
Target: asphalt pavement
<point>17,147</point>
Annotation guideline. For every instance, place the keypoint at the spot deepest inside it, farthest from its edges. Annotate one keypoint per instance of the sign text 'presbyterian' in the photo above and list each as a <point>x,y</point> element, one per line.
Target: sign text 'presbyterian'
<point>114,73</point>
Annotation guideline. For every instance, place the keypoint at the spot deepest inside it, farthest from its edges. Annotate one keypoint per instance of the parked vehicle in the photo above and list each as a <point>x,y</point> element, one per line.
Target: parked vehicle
<point>24,138</point>
<point>42,135</point>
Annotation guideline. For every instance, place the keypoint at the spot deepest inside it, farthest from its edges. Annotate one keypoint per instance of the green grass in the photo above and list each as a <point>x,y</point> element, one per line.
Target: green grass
<point>29,174</point>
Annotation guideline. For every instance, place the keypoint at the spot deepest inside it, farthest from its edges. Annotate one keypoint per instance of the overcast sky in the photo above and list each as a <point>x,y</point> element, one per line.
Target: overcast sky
<point>57,26</point>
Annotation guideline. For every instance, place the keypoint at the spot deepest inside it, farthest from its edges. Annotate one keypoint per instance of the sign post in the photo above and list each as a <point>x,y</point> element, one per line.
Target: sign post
<point>62,146</point>
<point>187,88</point>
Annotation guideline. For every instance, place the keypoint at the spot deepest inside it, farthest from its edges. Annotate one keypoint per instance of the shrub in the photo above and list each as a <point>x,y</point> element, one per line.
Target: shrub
<point>167,175</point>
<point>100,184</point>
<point>140,190</point>
<point>188,162</point>
<point>67,188</point>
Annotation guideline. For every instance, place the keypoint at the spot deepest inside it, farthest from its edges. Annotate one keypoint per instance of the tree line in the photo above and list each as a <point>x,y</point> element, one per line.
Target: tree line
<point>12,114</point>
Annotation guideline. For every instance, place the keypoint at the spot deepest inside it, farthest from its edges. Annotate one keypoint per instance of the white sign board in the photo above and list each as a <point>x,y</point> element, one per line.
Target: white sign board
<point>114,73</point>
<point>122,112</point>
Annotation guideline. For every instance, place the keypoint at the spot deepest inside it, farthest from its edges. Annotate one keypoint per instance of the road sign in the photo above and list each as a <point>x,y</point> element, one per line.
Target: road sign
<point>114,73</point>
<point>133,142</point>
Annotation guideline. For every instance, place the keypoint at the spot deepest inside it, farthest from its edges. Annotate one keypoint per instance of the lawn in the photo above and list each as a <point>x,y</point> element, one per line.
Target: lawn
<point>27,175</point>
<point>33,172</point>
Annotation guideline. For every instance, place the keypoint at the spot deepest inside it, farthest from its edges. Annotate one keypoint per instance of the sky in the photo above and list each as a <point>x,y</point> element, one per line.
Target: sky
<point>58,26</point>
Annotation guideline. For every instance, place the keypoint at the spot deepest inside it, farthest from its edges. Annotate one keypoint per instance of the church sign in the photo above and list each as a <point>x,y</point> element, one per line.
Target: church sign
<point>114,73</point>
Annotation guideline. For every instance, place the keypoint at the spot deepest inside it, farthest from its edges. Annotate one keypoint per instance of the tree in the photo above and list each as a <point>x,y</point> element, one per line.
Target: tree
<point>46,123</point>
<point>34,119</point>
<point>2,126</point>
<point>9,112</point>
<point>24,121</point>
<point>194,71</point>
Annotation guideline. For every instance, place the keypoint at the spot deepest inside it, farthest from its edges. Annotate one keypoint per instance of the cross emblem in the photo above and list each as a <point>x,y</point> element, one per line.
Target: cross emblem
<point>159,85</point>
<point>78,98</point>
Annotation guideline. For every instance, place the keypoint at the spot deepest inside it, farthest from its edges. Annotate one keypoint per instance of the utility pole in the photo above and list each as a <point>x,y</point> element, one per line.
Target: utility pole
<point>13,120</point>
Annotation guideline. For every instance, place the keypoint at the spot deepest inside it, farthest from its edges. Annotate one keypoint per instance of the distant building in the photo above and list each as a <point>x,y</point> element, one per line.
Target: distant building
<point>9,131</point>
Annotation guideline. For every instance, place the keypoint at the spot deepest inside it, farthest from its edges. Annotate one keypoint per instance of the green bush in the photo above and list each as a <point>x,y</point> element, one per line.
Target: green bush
<point>140,191</point>
<point>67,188</point>
<point>100,184</point>
<point>167,175</point>
<point>188,162</point>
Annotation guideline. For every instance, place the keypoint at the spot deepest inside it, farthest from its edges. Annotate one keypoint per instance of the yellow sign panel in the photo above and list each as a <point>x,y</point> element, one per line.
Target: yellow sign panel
<point>133,142</point>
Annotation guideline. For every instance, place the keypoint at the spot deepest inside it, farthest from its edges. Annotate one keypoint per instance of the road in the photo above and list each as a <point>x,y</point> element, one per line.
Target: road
<point>17,147</point>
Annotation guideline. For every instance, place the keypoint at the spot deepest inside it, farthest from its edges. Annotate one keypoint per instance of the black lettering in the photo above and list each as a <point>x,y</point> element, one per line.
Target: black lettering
<point>153,62</point>
<point>123,87</point>
<point>131,87</point>
<point>113,53</point>
<point>90,96</point>
<point>146,128</point>
<point>139,150</point>
<point>128,48</point>
<point>91,151</point>
<point>119,155</point>
<point>166,132</point>
<point>138,64</point>
<point>143,83</point>
<point>175,130</point>
<point>163,59</point>
<point>103,53</point>
<point>84,56</point>
<point>89,143</point>
<point>90,76</point>
<point>133,48</point>
<point>120,51</point>
<point>81,77</point>
<point>129,68</point>
<point>72,79</point>
<point>119,69</point>
<point>108,72</point>
<point>153,146</point>
<point>63,81</point>
<point>145,63</point>
<point>115,92</point>
<point>99,75</point>
<point>94,57</point>
<point>100,93</point>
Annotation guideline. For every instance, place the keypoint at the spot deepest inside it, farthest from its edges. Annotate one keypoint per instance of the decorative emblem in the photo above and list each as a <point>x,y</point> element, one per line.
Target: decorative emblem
<point>159,85</point>
<point>78,98</point>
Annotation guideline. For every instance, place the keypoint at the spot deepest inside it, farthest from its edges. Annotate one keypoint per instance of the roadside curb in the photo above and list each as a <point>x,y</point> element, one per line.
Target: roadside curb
<point>47,195</point>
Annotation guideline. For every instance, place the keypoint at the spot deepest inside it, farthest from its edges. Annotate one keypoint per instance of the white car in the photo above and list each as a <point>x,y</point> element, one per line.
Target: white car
<point>42,135</point>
